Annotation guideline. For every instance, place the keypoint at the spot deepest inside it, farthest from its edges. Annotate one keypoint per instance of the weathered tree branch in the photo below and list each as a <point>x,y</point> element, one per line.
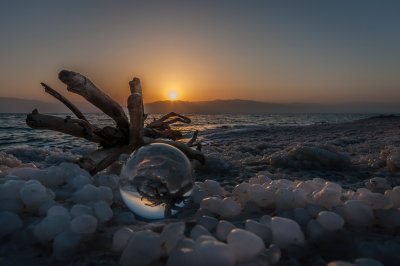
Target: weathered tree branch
<point>64,100</point>
<point>135,107</point>
<point>162,124</point>
<point>101,159</point>
<point>81,85</point>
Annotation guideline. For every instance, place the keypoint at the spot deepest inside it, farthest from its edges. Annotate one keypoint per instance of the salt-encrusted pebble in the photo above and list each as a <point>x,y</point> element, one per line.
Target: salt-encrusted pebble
<point>376,200</point>
<point>66,244</point>
<point>197,231</point>
<point>83,224</point>
<point>102,211</point>
<point>223,229</point>
<point>213,188</point>
<point>12,205</point>
<point>86,194</point>
<point>262,197</point>
<point>57,210</point>
<point>208,222</point>
<point>394,195</point>
<point>11,188</point>
<point>378,184</point>
<point>286,232</point>
<point>80,209</point>
<point>244,244</point>
<point>214,253</point>
<point>121,238</point>
<point>185,242</point>
<point>367,262</point>
<point>262,230</point>
<point>144,248</point>
<point>328,196</point>
<point>171,234</point>
<point>53,225</point>
<point>110,181</point>
<point>182,257</point>
<point>357,213</point>
<point>204,238</point>
<point>241,192</point>
<point>105,194</point>
<point>229,208</point>
<point>9,223</point>
<point>33,194</point>
<point>211,203</point>
<point>314,210</point>
<point>330,220</point>
<point>79,181</point>
<point>45,206</point>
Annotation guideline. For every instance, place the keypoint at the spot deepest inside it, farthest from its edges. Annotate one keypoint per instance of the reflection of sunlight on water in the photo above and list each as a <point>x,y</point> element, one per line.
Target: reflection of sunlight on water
<point>135,203</point>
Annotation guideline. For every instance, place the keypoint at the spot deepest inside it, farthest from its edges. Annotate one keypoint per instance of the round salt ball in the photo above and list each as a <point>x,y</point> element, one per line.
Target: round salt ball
<point>203,238</point>
<point>53,225</point>
<point>367,262</point>
<point>110,181</point>
<point>9,223</point>
<point>376,200</point>
<point>53,177</point>
<point>378,184</point>
<point>105,193</point>
<point>358,213</point>
<point>328,196</point>
<point>229,208</point>
<point>79,181</point>
<point>12,205</point>
<point>208,222</point>
<point>33,194</point>
<point>214,253</point>
<point>241,192</point>
<point>45,206</point>
<point>286,232</point>
<point>244,244</point>
<point>10,189</point>
<point>65,245</point>
<point>211,203</point>
<point>213,188</point>
<point>102,211</point>
<point>185,242</point>
<point>144,248</point>
<point>57,210</point>
<point>198,195</point>
<point>330,220</point>
<point>171,234</point>
<point>394,195</point>
<point>223,229</point>
<point>83,224</point>
<point>182,257</point>
<point>262,230</point>
<point>121,238</point>
<point>86,194</point>
<point>198,231</point>
<point>80,209</point>
<point>287,199</point>
<point>262,197</point>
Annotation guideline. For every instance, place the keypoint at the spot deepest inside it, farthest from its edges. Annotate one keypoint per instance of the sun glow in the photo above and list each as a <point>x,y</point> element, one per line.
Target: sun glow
<point>172,95</point>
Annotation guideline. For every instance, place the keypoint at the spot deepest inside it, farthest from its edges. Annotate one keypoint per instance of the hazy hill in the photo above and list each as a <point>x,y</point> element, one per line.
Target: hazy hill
<point>14,105</point>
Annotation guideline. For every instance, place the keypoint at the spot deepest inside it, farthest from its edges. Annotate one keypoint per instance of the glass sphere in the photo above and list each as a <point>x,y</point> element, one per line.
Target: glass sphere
<point>156,180</point>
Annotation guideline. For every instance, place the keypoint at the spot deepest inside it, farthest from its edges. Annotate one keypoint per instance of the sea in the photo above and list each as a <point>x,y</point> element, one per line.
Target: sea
<point>14,133</point>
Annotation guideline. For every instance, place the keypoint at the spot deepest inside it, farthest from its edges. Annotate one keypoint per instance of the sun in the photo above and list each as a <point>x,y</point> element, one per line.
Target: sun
<point>172,95</point>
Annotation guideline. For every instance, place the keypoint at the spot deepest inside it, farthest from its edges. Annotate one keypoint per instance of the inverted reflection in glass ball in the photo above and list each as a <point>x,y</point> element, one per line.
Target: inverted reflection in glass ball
<point>156,180</point>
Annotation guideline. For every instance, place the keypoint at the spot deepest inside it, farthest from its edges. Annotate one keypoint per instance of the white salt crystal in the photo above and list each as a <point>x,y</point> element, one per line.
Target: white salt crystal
<point>182,257</point>
<point>121,238</point>
<point>51,226</point>
<point>262,197</point>
<point>357,213</point>
<point>287,199</point>
<point>33,194</point>
<point>10,189</point>
<point>241,192</point>
<point>244,244</point>
<point>79,181</point>
<point>83,224</point>
<point>57,210</point>
<point>86,194</point>
<point>102,211</point>
<point>328,196</point>
<point>229,208</point>
<point>66,244</point>
<point>144,248</point>
<point>376,200</point>
<point>9,223</point>
<point>330,220</point>
<point>378,184</point>
<point>214,253</point>
<point>171,234</point>
<point>367,262</point>
<point>262,230</point>
<point>286,232</point>
<point>80,209</point>
<point>394,195</point>
<point>223,229</point>
<point>105,193</point>
<point>208,222</point>
<point>211,203</point>
<point>198,231</point>
<point>53,177</point>
<point>71,170</point>
<point>213,188</point>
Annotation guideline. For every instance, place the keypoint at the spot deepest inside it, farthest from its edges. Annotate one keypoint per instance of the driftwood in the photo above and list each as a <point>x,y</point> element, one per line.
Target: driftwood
<point>125,137</point>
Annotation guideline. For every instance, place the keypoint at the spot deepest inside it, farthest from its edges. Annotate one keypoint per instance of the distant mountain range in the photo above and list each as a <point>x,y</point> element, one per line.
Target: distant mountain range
<point>15,105</point>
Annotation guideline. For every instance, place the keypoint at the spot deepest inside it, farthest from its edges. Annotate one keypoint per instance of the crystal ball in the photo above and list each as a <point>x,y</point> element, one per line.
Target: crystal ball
<point>156,181</point>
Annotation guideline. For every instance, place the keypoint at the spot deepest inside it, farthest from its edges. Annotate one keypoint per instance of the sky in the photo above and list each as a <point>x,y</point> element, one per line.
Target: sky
<point>273,51</point>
